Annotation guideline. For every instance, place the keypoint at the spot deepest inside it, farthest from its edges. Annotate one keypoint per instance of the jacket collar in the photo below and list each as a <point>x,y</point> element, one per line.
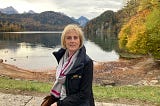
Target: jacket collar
<point>58,54</point>
<point>79,63</point>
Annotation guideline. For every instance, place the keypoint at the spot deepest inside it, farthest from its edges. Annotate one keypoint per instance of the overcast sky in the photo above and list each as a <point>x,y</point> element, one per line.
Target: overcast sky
<point>72,8</point>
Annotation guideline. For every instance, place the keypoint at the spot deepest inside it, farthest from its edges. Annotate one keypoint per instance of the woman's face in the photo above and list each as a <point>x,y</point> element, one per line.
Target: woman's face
<point>72,41</point>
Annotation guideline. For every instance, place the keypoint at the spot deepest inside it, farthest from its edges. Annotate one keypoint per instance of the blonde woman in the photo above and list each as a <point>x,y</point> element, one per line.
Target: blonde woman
<point>74,75</point>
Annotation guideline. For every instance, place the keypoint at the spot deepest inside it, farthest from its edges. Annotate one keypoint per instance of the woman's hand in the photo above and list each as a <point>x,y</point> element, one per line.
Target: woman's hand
<point>54,104</point>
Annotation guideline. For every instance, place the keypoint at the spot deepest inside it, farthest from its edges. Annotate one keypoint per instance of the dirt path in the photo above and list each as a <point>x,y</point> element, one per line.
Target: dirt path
<point>142,71</point>
<point>24,100</point>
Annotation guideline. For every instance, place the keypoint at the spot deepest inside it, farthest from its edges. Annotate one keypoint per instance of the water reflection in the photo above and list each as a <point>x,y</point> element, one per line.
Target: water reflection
<point>34,50</point>
<point>106,42</point>
<point>34,39</point>
<point>99,55</point>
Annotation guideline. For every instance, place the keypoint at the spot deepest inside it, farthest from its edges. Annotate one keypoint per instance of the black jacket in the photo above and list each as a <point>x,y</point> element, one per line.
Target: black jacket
<point>78,80</point>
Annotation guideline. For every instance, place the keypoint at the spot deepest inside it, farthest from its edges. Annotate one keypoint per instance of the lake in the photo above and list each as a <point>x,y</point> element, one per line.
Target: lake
<point>33,50</point>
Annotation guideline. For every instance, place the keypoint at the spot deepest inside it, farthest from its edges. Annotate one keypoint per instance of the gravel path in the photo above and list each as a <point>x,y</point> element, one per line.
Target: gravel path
<point>22,100</point>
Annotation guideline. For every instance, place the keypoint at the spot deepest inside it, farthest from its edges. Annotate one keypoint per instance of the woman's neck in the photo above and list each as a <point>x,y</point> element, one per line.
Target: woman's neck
<point>70,53</point>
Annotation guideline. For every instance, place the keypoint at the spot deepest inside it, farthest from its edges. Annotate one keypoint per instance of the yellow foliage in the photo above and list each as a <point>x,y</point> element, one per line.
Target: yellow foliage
<point>132,35</point>
<point>141,34</point>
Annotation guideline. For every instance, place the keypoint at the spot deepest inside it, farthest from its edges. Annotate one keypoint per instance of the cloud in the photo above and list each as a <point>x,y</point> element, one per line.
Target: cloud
<point>88,8</point>
<point>72,8</point>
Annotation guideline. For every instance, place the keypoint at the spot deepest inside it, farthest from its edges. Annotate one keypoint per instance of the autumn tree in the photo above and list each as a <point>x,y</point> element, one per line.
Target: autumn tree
<point>141,34</point>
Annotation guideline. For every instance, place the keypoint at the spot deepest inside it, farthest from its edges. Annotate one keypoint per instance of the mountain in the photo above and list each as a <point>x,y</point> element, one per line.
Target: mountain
<point>105,23</point>
<point>31,12</point>
<point>81,20</point>
<point>9,10</point>
<point>45,21</point>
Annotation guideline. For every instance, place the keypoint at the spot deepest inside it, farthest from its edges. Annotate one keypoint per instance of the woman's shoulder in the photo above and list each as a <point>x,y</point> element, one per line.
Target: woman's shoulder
<point>88,59</point>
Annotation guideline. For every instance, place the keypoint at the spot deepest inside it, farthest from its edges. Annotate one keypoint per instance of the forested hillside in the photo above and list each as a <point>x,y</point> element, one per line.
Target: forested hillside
<point>140,33</point>
<point>105,23</point>
<point>45,21</point>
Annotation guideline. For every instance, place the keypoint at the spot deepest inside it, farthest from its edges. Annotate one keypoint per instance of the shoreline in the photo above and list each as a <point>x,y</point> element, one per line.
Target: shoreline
<point>141,71</point>
<point>19,73</point>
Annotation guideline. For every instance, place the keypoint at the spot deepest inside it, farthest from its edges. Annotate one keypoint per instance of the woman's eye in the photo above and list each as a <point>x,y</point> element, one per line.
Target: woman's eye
<point>72,37</point>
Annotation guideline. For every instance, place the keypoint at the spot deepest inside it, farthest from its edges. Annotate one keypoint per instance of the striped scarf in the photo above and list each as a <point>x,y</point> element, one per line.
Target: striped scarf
<point>64,66</point>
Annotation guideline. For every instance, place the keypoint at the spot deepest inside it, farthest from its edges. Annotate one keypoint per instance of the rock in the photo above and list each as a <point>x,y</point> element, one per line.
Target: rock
<point>147,83</point>
<point>153,82</point>
<point>107,82</point>
<point>142,82</point>
<point>157,61</point>
<point>1,60</point>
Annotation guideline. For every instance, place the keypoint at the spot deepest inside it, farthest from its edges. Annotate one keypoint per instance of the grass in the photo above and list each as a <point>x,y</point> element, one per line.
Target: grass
<point>6,83</point>
<point>142,93</point>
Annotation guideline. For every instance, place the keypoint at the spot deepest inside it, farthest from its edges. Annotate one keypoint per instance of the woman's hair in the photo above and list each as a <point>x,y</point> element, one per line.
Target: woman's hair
<point>77,29</point>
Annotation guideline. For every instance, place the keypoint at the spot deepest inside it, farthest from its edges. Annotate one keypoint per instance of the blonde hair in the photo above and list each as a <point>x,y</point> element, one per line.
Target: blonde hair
<point>75,28</point>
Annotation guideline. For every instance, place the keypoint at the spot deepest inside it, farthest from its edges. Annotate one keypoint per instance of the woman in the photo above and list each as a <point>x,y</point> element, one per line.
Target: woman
<point>74,75</point>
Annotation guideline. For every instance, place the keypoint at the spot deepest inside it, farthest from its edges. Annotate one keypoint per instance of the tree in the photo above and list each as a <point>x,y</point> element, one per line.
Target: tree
<point>141,34</point>
<point>153,32</point>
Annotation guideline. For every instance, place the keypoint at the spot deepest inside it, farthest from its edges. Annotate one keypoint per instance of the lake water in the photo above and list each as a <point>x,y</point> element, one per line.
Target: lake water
<point>33,50</point>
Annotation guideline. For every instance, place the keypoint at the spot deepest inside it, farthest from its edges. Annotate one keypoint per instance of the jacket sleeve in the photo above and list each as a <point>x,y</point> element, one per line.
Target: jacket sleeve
<point>85,88</point>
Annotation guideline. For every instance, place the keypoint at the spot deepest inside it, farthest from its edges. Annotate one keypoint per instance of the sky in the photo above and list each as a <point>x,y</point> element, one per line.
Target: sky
<point>71,8</point>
